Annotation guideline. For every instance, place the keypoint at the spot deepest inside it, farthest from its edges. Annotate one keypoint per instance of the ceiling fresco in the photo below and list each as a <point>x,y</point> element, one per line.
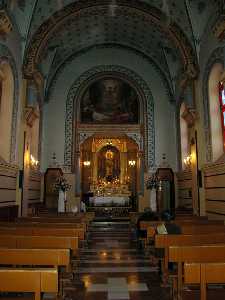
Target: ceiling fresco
<point>167,31</point>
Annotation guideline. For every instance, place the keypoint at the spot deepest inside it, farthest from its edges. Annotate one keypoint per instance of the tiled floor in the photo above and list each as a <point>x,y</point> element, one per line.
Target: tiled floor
<point>111,267</point>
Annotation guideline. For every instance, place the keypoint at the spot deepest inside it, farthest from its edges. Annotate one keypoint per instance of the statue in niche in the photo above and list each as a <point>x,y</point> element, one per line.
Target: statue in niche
<point>109,164</point>
<point>110,100</point>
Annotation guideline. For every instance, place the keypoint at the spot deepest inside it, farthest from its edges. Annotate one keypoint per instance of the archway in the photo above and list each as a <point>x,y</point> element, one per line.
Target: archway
<point>6,109</point>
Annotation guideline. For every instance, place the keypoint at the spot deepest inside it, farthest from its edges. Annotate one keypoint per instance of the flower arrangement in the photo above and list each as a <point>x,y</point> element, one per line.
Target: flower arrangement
<point>152,182</point>
<point>62,184</point>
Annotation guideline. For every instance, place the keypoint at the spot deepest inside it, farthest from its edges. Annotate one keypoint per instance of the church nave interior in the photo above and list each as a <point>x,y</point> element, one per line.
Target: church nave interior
<point>112,149</point>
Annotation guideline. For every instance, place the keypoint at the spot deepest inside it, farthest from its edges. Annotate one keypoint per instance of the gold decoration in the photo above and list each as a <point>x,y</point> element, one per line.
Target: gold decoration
<point>109,154</point>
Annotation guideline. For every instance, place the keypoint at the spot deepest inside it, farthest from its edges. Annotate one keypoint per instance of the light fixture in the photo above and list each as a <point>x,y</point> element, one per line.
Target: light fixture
<point>33,162</point>
<point>87,163</point>
<point>187,160</point>
<point>131,163</point>
<point>109,143</point>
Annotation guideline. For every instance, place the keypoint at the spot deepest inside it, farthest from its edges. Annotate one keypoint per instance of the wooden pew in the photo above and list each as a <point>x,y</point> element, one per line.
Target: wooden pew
<point>39,242</point>
<point>186,227</point>
<point>44,229</point>
<point>164,241</point>
<point>203,254</point>
<point>35,257</point>
<point>29,280</point>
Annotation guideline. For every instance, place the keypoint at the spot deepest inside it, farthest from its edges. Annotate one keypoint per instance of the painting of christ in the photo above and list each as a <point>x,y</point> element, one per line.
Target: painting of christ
<point>110,101</point>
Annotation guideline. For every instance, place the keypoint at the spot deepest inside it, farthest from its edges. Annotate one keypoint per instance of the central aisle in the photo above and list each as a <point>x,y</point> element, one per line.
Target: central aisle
<point>113,269</point>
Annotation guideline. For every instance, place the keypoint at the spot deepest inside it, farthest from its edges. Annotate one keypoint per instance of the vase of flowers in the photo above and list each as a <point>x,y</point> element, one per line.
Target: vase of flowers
<point>152,182</point>
<point>62,187</point>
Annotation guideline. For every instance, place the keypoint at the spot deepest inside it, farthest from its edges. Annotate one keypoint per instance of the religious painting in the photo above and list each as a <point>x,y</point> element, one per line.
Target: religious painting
<point>110,101</point>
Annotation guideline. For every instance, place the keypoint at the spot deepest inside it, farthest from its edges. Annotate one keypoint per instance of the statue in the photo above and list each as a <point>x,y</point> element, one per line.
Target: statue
<point>109,165</point>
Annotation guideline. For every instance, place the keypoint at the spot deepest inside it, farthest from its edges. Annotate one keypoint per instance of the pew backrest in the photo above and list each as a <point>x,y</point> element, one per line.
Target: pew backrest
<point>35,257</point>
<point>29,280</point>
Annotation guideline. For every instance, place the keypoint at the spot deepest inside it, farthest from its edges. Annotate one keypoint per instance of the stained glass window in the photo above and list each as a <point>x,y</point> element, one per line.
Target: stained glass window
<point>222,107</point>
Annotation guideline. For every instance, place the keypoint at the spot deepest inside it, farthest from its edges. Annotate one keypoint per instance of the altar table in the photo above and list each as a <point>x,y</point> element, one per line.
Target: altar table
<point>109,200</point>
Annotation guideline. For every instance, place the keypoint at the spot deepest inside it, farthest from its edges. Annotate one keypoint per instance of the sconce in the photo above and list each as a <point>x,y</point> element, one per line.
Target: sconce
<point>33,162</point>
<point>87,163</point>
<point>131,163</point>
<point>187,161</point>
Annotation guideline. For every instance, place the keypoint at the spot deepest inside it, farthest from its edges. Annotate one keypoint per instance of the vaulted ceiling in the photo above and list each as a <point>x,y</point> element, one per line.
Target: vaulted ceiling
<point>167,31</point>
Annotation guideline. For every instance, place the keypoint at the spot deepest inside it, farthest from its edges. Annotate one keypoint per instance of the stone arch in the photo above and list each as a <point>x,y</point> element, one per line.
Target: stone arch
<point>147,108</point>
<point>217,56</point>
<point>7,57</point>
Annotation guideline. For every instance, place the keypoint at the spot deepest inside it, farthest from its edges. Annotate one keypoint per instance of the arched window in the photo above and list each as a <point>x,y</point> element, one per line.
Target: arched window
<point>222,108</point>
<point>216,129</point>
<point>6,109</point>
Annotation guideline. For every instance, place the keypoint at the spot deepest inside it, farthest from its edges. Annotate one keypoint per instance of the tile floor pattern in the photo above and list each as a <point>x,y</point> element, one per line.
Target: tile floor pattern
<point>112,268</point>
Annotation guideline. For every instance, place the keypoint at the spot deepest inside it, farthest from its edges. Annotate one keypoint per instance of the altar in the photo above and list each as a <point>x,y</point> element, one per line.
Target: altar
<point>109,201</point>
<point>109,175</point>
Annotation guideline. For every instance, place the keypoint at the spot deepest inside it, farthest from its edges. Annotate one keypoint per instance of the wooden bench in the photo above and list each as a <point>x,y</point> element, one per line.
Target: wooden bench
<point>44,229</point>
<point>164,241</point>
<point>186,227</point>
<point>39,242</point>
<point>205,267</point>
<point>29,280</point>
<point>35,257</point>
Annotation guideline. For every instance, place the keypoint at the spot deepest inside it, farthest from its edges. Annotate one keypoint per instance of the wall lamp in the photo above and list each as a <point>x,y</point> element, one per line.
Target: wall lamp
<point>187,160</point>
<point>87,163</point>
<point>131,163</point>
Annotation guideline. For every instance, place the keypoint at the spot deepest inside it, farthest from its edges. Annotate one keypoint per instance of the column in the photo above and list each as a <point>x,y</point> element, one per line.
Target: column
<point>95,167</point>
<point>123,167</point>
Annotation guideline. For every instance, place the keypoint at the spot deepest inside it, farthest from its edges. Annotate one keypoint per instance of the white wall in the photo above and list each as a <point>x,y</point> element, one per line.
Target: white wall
<point>54,111</point>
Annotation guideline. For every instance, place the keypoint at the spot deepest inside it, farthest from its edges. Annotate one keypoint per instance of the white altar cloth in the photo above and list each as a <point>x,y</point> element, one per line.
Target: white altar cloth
<point>109,200</point>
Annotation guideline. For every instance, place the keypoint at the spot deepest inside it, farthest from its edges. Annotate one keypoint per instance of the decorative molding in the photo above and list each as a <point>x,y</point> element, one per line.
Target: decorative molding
<point>214,169</point>
<point>83,136</point>
<point>6,55</point>
<point>190,115</point>
<point>217,56</point>
<point>31,114</point>
<point>219,27</point>
<point>147,109</point>
<point>8,169</point>
<point>5,23</point>
<point>149,13</point>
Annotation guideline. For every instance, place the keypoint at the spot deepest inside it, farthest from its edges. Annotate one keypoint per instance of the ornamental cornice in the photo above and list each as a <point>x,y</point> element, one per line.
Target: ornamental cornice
<point>5,23</point>
<point>219,27</point>
<point>190,115</point>
<point>154,15</point>
<point>31,114</point>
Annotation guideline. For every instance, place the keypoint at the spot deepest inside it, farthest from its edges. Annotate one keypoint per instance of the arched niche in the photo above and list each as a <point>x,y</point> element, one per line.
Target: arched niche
<point>142,130</point>
<point>214,111</point>
<point>6,109</point>
<point>106,160</point>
